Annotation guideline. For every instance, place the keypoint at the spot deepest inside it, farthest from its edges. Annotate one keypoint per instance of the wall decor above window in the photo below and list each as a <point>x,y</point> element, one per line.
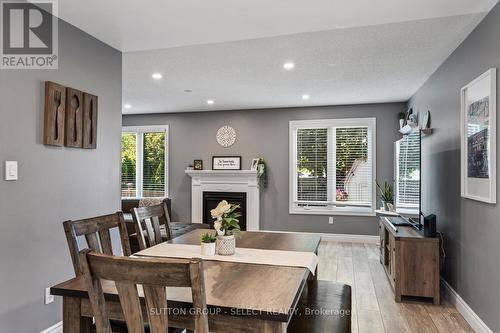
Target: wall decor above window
<point>478,138</point>
<point>226,136</point>
<point>70,117</point>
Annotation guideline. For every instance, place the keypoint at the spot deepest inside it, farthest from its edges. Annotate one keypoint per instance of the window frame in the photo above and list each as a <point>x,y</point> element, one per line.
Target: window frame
<point>140,156</point>
<point>332,208</point>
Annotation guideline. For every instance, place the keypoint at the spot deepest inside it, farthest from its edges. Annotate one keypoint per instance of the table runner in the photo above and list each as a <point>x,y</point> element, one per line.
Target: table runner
<point>307,260</point>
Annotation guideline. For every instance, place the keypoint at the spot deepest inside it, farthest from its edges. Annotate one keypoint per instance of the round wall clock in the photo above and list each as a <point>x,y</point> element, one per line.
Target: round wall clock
<point>226,136</point>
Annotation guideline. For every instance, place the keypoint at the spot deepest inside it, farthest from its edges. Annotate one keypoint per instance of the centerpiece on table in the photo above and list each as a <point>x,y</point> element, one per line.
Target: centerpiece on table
<point>208,244</point>
<point>227,226</point>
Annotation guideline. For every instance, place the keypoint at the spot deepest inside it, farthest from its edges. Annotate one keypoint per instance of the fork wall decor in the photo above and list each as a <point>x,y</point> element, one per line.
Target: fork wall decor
<point>70,117</point>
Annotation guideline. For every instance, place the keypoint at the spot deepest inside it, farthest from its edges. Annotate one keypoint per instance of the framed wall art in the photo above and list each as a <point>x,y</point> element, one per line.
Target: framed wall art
<point>478,138</point>
<point>226,162</point>
<point>198,165</point>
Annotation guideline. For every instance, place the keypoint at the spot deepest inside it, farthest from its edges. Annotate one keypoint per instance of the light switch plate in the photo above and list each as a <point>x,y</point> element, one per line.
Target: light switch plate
<point>10,170</point>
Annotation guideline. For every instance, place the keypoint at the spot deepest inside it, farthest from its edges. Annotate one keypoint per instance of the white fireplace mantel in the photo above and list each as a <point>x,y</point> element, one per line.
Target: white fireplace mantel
<point>225,181</point>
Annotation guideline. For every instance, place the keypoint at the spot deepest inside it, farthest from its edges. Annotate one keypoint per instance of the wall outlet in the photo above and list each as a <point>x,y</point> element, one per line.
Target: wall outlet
<point>48,297</point>
<point>330,220</point>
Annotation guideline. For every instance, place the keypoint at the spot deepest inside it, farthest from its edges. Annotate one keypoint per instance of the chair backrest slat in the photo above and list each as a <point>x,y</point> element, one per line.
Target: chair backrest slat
<point>131,306</point>
<point>93,242</point>
<point>105,239</point>
<point>147,222</point>
<point>96,231</point>
<point>156,298</point>
<point>154,275</point>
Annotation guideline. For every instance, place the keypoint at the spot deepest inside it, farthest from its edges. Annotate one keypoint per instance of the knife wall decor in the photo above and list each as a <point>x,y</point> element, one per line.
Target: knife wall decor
<point>89,121</point>
<point>70,117</point>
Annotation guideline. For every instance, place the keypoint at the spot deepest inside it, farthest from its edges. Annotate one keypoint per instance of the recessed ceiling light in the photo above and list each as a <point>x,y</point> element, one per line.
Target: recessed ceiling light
<point>157,76</point>
<point>210,102</point>
<point>288,65</point>
<point>127,106</point>
<point>305,97</point>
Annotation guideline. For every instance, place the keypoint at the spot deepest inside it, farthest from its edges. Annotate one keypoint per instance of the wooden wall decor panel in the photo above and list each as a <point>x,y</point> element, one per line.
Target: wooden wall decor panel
<point>74,118</point>
<point>54,114</point>
<point>89,121</point>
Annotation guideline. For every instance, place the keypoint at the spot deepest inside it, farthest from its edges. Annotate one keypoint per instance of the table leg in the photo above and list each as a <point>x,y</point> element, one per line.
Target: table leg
<point>312,277</point>
<point>73,322</point>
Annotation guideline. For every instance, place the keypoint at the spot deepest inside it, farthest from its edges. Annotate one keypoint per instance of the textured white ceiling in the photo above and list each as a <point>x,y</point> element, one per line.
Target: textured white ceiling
<point>133,25</point>
<point>232,51</point>
<point>382,63</point>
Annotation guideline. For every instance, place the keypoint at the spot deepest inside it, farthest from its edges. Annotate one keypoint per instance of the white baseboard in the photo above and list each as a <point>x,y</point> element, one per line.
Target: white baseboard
<point>469,315</point>
<point>56,328</point>
<point>345,238</point>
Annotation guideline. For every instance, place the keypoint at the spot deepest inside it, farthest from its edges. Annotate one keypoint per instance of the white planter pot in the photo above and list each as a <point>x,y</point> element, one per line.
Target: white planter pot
<point>226,245</point>
<point>208,249</point>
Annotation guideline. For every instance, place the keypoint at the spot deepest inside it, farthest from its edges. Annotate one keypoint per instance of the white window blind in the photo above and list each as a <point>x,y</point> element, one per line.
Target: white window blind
<point>312,152</point>
<point>408,173</point>
<point>332,166</point>
<point>144,162</point>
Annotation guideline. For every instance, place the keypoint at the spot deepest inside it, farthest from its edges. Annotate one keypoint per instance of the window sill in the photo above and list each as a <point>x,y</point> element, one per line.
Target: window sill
<point>332,212</point>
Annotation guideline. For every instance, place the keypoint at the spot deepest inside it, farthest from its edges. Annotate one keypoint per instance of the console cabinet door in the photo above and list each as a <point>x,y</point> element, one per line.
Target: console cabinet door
<point>392,254</point>
<point>381,233</point>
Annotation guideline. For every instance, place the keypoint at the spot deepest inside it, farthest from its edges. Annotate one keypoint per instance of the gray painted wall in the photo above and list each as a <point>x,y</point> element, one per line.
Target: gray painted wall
<point>55,184</point>
<point>264,133</point>
<point>471,228</point>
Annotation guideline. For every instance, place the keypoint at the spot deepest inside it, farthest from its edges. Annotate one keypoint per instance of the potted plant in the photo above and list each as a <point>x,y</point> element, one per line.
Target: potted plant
<point>262,173</point>
<point>227,226</point>
<point>386,195</point>
<point>208,244</point>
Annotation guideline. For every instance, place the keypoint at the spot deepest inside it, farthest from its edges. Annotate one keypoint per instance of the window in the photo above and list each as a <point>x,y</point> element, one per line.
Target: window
<point>144,162</point>
<point>408,174</point>
<point>332,166</point>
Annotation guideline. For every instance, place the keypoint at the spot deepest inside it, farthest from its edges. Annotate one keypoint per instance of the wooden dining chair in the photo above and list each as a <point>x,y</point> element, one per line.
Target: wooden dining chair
<point>96,231</point>
<point>154,275</point>
<point>147,221</point>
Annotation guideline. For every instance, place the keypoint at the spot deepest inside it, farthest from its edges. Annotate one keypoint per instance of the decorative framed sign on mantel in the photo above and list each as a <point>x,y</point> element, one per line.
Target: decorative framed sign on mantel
<point>226,162</point>
<point>478,138</point>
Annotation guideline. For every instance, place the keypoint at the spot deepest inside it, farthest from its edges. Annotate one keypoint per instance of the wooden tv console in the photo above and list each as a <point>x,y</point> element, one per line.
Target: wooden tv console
<point>411,261</point>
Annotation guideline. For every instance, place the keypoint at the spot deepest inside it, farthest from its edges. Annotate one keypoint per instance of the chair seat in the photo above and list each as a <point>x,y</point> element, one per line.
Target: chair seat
<point>324,306</point>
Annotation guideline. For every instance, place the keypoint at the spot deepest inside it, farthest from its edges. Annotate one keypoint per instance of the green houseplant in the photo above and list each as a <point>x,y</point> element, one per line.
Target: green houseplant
<point>386,194</point>
<point>227,226</point>
<point>262,173</point>
<point>208,244</point>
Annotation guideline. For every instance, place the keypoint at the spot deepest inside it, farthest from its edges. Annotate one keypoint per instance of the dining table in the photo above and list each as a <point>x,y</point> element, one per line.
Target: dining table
<point>241,297</point>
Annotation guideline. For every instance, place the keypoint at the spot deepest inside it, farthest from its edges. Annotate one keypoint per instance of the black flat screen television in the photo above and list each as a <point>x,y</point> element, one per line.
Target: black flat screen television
<point>407,178</point>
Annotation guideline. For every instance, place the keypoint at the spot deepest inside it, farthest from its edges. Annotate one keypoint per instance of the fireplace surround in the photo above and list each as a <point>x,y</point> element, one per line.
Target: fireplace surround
<point>231,182</point>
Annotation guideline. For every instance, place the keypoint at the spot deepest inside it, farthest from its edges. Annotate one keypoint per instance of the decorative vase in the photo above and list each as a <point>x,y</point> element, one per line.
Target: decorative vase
<point>208,249</point>
<point>226,245</point>
<point>384,205</point>
<point>401,123</point>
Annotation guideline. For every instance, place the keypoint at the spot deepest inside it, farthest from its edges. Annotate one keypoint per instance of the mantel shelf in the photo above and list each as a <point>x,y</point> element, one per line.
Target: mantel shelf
<point>218,173</point>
